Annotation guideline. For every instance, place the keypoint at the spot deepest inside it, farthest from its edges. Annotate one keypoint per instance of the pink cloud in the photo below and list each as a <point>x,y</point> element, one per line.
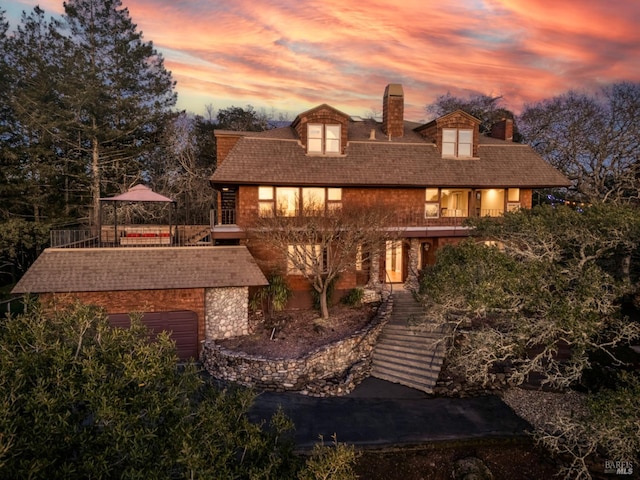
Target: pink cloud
<point>293,55</point>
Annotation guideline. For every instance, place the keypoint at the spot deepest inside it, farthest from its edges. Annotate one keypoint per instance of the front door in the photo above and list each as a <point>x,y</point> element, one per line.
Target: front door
<point>393,262</point>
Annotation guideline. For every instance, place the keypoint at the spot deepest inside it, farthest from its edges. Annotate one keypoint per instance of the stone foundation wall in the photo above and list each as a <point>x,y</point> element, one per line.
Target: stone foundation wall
<point>226,312</point>
<point>334,369</point>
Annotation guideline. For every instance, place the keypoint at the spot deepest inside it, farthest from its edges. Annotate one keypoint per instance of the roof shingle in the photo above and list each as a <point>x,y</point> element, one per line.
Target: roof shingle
<point>411,163</point>
<point>60,270</point>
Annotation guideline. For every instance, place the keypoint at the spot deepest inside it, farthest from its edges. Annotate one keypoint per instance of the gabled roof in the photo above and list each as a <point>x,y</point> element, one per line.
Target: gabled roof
<point>408,161</point>
<point>456,113</point>
<point>324,106</point>
<point>62,270</point>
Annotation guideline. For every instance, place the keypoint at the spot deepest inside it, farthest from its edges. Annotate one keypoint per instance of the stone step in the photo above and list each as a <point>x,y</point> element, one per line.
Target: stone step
<point>419,381</point>
<point>386,357</point>
<point>409,350</point>
<point>420,346</point>
<point>425,329</point>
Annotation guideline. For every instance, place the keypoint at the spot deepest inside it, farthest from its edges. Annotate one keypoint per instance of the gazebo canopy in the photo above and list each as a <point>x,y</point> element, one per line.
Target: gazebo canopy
<point>138,193</point>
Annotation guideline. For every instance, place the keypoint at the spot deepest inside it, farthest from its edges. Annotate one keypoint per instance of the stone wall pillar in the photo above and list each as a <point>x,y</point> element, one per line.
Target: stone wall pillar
<point>374,270</point>
<point>226,312</point>
<point>412,282</point>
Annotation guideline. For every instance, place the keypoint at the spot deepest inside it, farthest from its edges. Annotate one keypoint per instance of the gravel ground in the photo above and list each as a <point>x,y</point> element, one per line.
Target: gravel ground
<point>541,409</point>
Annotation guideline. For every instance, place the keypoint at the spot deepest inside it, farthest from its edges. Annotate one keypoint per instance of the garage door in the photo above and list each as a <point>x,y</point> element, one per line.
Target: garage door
<point>182,325</point>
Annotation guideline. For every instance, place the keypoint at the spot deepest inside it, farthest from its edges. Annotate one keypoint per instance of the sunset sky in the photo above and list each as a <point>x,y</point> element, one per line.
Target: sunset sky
<point>293,55</point>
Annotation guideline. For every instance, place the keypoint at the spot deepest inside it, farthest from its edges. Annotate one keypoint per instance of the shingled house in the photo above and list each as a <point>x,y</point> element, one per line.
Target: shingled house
<point>431,176</point>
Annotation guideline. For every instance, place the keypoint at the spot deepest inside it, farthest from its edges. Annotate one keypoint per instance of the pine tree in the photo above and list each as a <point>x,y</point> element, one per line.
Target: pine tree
<point>32,135</point>
<point>119,91</point>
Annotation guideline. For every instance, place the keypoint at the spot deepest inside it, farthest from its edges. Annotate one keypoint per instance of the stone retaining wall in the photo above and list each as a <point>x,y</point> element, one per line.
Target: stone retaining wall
<point>334,369</point>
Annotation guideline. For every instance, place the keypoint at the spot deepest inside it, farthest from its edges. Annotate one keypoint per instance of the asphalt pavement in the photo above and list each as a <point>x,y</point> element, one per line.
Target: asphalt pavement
<point>383,414</point>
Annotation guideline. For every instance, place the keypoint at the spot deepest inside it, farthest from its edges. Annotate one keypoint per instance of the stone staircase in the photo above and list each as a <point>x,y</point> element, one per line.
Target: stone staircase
<point>409,352</point>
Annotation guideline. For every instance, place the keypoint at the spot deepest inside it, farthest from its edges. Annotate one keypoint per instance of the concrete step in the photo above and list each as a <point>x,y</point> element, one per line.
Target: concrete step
<point>418,347</point>
<point>419,381</point>
<point>402,359</point>
<point>409,351</point>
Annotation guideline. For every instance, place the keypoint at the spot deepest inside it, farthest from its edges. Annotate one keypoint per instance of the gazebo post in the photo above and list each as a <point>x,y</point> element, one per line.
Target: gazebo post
<point>115,223</point>
<point>100,225</point>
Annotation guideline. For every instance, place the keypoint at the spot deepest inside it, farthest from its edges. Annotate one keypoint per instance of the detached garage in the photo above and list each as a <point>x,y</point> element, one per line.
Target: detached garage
<point>196,293</point>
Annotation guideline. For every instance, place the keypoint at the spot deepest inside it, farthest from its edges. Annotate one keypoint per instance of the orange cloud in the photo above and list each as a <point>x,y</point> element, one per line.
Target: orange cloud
<point>293,55</point>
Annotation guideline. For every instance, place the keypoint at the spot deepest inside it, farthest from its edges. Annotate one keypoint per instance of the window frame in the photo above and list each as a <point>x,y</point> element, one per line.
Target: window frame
<point>430,204</point>
<point>452,141</point>
<point>320,254</point>
<point>268,204</point>
<point>321,142</point>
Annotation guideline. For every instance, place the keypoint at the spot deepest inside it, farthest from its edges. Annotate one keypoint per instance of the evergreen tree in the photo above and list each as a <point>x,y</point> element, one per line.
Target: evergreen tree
<point>30,110</point>
<point>87,100</point>
<point>119,91</point>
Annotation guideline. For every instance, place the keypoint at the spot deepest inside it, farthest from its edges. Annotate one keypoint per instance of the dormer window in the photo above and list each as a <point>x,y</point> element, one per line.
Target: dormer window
<point>323,139</point>
<point>457,142</point>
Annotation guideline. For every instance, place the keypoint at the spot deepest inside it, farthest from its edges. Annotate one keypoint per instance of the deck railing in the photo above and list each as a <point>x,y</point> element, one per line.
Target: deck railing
<point>132,236</point>
<point>447,218</point>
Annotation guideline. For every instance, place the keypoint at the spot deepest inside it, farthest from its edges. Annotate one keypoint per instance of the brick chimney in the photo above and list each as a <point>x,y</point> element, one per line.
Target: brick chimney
<point>503,130</point>
<point>393,110</point>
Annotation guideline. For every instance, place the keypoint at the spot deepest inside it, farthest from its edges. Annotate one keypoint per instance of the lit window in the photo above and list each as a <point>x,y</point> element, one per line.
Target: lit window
<point>457,142</point>
<point>332,139</point>
<point>490,202</point>
<point>265,201</point>
<point>359,258</point>
<point>314,138</point>
<point>313,201</point>
<point>513,195</point>
<point>294,201</point>
<point>323,138</point>
<point>432,203</point>
<point>334,199</point>
<point>304,259</point>
<point>287,201</point>
<point>454,203</point>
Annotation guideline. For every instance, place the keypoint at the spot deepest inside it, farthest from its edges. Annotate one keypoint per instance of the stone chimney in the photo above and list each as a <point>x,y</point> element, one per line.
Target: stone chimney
<point>393,110</point>
<point>503,130</point>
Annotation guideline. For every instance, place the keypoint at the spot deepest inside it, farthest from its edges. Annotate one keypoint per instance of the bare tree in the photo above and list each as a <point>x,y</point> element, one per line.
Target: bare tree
<point>486,108</point>
<point>556,282</point>
<point>593,139</point>
<point>547,305</point>
<point>184,172</point>
<point>320,245</point>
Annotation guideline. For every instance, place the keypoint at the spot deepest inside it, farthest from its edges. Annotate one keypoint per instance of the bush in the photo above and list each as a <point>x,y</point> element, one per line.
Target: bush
<point>330,462</point>
<point>80,399</point>
<point>354,297</point>
<point>273,297</point>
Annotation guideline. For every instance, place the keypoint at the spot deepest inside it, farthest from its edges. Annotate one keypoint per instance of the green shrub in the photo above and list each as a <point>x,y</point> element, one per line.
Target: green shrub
<point>354,297</point>
<point>273,297</point>
<point>333,462</point>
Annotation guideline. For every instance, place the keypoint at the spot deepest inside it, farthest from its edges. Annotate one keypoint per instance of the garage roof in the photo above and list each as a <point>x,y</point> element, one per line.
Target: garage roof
<point>60,270</point>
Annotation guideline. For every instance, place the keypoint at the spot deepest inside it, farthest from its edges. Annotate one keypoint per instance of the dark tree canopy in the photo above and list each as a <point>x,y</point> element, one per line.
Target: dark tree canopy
<point>81,399</point>
<point>593,139</point>
<point>486,108</point>
<point>239,119</point>
<point>87,103</point>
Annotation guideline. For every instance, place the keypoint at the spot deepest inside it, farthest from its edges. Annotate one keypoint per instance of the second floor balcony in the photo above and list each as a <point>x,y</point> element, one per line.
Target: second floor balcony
<point>230,220</point>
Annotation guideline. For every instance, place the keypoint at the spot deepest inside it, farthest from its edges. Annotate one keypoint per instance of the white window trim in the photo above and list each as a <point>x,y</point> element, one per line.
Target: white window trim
<point>326,143</point>
<point>457,132</point>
